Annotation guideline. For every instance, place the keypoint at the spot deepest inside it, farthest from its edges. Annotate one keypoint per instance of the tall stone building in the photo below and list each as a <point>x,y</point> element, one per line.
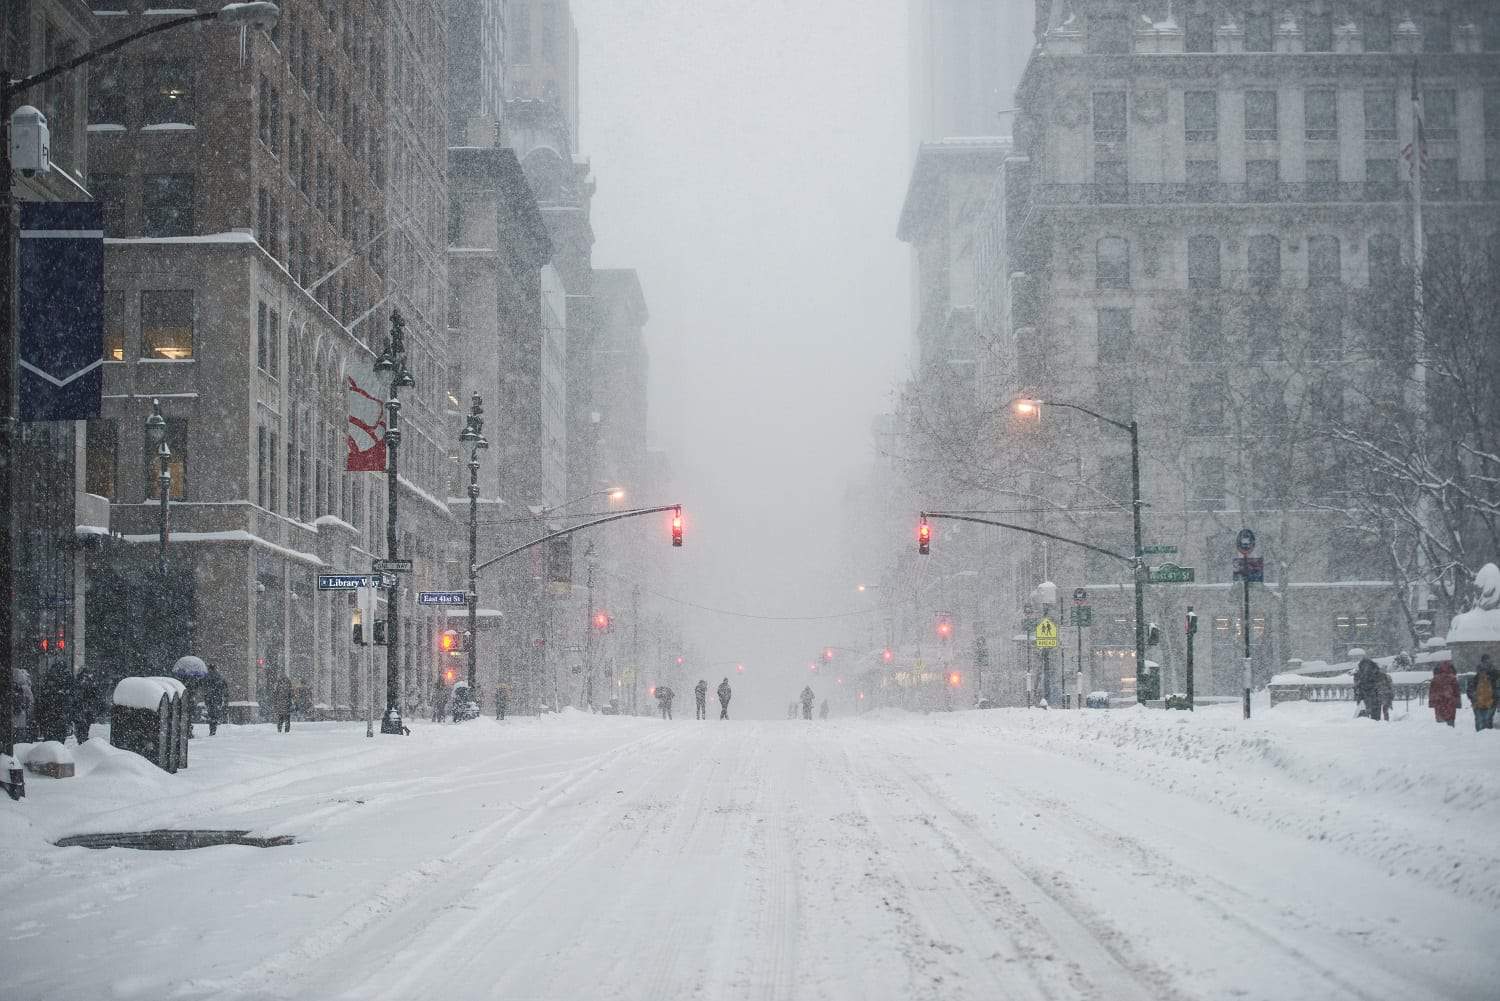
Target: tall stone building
<point>268,206</point>
<point>1201,228</point>
<point>965,59</point>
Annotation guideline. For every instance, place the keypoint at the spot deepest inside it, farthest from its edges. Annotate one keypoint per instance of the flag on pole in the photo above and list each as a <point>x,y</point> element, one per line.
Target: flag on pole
<point>366,431</point>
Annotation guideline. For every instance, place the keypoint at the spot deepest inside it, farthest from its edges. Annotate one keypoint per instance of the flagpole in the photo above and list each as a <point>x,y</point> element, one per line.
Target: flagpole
<point>1418,400</point>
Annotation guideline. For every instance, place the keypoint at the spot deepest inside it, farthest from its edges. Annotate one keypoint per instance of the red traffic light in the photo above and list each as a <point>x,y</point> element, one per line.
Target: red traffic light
<point>448,641</point>
<point>827,654</point>
<point>677,527</point>
<point>945,627</point>
<point>601,620</point>
<point>679,661</point>
<point>924,537</point>
<point>739,668</point>
<point>886,655</point>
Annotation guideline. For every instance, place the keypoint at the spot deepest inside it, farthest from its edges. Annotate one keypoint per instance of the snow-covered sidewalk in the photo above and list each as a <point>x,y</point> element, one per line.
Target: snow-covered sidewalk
<point>1004,854</point>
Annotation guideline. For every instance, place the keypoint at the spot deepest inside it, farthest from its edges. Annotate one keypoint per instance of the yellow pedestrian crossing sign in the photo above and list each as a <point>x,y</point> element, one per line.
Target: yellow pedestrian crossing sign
<point>1046,634</point>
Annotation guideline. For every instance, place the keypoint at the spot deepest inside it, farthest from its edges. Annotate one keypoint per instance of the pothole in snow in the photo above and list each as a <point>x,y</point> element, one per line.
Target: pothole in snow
<point>173,841</point>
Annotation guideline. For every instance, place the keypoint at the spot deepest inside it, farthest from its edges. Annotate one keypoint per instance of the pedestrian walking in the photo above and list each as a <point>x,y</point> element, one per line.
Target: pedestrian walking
<point>85,703</point>
<point>281,702</point>
<point>1442,693</point>
<point>54,702</point>
<point>724,692</point>
<point>700,698</point>
<point>807,701</point>
<point>502,700</point>
<point>22,706</point>
<point>791,709</point>
<point>215,698</point>
<point>439,699</point>
<point>664,696</point>
<point>1367,687</point>
<point>1482,690</point>
<point>1387,693</point>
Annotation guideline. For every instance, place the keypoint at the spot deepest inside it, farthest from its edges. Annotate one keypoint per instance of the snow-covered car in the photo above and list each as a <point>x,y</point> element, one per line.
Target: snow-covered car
<point>1096,700</point>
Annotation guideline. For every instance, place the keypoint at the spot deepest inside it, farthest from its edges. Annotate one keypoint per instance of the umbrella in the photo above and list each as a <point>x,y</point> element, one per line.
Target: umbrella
<point>189,667</point>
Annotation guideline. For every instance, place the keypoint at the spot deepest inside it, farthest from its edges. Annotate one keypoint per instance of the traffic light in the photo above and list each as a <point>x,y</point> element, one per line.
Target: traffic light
<point>677,527</point>
<point>944,627</point>
<point>955,679</point>
<point>448,676</point>
<point>1153,635</point>
<point>887,655</point>
<point>449,641</point>
<point>924,537</point>
<point>827,654</point>
<point>380,632</point>
<point>601,621</point>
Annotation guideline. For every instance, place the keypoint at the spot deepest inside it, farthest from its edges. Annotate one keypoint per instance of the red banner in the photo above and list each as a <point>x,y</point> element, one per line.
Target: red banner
<point>366,434</point>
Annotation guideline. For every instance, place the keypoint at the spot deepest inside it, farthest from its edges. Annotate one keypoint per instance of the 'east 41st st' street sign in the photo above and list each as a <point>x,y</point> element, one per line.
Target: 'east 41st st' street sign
<point>1170,573</point>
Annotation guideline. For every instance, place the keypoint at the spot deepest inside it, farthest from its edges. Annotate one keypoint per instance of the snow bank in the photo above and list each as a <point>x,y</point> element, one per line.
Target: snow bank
<point>146,693</point>
<point>1481,625</point>
<point>48,752</point>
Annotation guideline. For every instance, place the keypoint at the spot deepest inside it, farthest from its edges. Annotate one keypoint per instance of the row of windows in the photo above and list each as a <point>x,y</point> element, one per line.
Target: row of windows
<point>167,321</point>
<point>1200,123</point>
<point>102,460</point>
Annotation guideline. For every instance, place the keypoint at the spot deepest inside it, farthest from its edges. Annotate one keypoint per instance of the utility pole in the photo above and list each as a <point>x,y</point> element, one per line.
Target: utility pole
<point>393,361</point>
<point>635,646</point>
<point>588,636</point>
<point>472,437</point>
<point>1192,631</point>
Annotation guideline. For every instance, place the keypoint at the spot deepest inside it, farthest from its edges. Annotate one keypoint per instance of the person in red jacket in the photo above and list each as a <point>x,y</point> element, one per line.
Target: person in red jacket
<point>1442,694</point>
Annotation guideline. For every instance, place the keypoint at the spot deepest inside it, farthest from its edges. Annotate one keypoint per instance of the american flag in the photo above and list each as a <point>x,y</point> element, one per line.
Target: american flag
<point>1415,152</point>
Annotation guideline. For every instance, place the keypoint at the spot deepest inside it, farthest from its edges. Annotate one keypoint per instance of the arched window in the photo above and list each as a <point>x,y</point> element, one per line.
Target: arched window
<point>1112,262</point>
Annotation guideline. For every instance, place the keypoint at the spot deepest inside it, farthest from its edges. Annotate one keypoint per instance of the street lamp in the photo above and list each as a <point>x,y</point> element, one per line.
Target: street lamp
<point>471,436</point>
<point>1027,407</point>
<point>156,434</point>
<point>392,362</point>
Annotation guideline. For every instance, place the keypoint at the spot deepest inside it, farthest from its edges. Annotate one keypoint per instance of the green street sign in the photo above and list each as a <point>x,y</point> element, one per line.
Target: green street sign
<point>1170,573</point>
<point>1158,550</point>
<point>1081,616</point>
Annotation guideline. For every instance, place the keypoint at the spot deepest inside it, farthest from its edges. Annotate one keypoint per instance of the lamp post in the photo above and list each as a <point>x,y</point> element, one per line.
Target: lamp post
<point>260,15</point>
<point>392,362</point>
<point>156,434</point>
<point>1030,407</point>
<point>471,436</point>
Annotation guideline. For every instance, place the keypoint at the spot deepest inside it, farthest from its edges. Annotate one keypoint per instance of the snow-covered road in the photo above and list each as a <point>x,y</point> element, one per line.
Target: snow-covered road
<point>1122,855</point>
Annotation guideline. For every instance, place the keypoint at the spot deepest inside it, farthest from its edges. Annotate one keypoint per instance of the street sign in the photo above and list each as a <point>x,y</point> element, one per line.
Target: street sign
<point>391,566</point>
<point>1170,573</point>
<point>1250,568</point>
<point>1082,616</point>
<point>442,598</point>
<point>1158,550</point>
<point>1080,596</point>
<point>1046,634</point>
<point>345,581</point>
<point>1245,541</point>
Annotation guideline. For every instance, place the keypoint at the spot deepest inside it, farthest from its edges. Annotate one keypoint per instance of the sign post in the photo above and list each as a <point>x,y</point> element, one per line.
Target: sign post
<point>1045,637</point>
<point>1083,615</point>
<point>1192,631</point>
<point>1245,543</point>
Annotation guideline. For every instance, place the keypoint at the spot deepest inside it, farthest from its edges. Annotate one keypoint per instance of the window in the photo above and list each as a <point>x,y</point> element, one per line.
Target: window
<point>1262,178</point>
<point>1385,260</point>
<point>1258,34</point>
<point>167,324</point>
<point>1110,34</point>
<point>177,441</point>
<point>1325,323</point>
<point>1260,115</point>
<point>1207,485</point>
<point>1322,179</point>
<point>1202,175</point>
<point>263,466</point>
<point>1204,331</point>
<point>520,33</point>
<point>102,458</point>
<point>1264,261</point>
<point>169,92</point>
<point>1441,178</point>
<point>1200,122</point>
<point>1440,114</point>
<point>273,334</point>
<point>262,337</point>
<point>1380,179</point>
<point>1109,116</point>
<point>107,105</point>
<point>1115,335</point>
<point>1321,110</point>
<point>1199,32</point>
<point>1112,180</point>
<point>1318,31</point>
<point>1323,262</point>
<point>114,326</point>
<point>167,205</point>
<point>1263,327</point>
<point>1380,114</point>
<point>1112,262</point>
<point>1203,262</point>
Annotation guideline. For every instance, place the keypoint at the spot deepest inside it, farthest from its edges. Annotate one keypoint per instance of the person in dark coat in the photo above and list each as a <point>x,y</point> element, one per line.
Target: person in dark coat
<point>700,698</point>
<point>1483,691</point>
<point>807,701</point>
<point>1442,694</point>
<point>502,700</point>
<point>439,699</point>
<point>281,702</point>
<point>724,692</point>
<point>85,703</point>
<point>1387,692</point>
<point>215,698</point>
<point>55,702</point>
<point>823,710</point>
<point>1367,687</point>
<point>664,697</point>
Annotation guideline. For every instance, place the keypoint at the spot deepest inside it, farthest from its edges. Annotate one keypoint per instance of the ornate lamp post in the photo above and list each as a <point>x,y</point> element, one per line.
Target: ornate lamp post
<point>156,434</point>
<point>471,436</point>
<point>392,362</point>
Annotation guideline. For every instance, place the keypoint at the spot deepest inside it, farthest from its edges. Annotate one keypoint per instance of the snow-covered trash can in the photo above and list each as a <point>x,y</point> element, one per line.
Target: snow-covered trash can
<point>142,719</point>
<point>51,759</point>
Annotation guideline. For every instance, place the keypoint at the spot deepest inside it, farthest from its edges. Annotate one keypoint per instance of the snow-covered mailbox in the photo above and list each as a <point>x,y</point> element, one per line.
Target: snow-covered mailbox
<point>1474,633</point>
<point>149,718</point>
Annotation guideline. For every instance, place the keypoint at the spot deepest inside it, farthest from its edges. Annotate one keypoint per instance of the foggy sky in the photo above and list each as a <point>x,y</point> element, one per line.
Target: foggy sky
<point>751,158</point>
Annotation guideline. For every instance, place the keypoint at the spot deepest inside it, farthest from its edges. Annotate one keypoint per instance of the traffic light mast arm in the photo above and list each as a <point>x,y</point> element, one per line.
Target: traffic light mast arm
<point>936,515</point>
<point>576,528</point>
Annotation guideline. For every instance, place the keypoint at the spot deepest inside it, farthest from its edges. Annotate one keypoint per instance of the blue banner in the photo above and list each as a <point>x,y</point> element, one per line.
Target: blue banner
<point>61,310</point>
